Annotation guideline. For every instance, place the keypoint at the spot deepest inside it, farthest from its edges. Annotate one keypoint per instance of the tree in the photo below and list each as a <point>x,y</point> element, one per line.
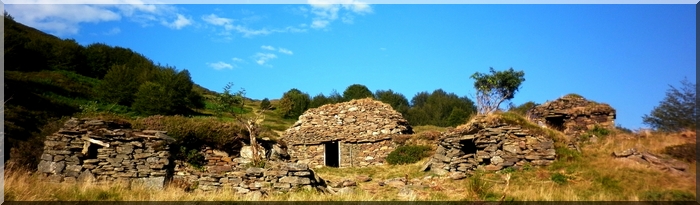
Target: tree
<point>524,108</point>
<point>319,100</point>
<point>152,99</point>
<point>227,100</point>
<point>118,85</point>
<point>397,100</point>
<point>495,88</point>
<point>357,91</point>
<point>265,104</point>
<point>677,111</point>
<point>293,103</point>
<point>335,97</point>
<point>439,108</point>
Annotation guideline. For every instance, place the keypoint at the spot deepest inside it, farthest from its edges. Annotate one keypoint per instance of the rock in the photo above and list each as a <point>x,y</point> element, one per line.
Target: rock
<point>345,191</point>
<point>457,175</point>
<point>247,152</point>
<point>297,167</point>
<point>427,164</point>
<point>493,167</point>
<point>86,177</point>
<point>156,183</point>
<point>347,183</point>
<point>395,183</point>
<point>254,195</point>
<point>440,172</point>
<point>363,178</point>
<point>496,160</point>
<point>624,153</point>
<point>254,171</point>
<point>406,192</point>
<point>220,153</point>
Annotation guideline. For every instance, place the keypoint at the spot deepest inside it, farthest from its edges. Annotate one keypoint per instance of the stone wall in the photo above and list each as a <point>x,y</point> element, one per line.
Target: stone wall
<point>105,151</point>
<point>490,147</point>
<point>352,154</point>
<point>573,115</point>
<point>223,172</point>
<point>356,125</point>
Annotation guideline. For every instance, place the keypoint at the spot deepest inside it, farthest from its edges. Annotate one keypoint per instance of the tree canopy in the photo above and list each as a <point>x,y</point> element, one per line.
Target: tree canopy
<point>677,111</point>
<point>293,103</point>
<point>496,87</point>
<point>357,91</point>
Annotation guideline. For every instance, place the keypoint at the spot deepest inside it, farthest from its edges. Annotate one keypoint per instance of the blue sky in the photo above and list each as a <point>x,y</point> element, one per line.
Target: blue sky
<point>623,55</point>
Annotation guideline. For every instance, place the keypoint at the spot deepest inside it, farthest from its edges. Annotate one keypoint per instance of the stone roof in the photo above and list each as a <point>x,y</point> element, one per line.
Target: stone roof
<point>362,120</point>
<point>568,106</point>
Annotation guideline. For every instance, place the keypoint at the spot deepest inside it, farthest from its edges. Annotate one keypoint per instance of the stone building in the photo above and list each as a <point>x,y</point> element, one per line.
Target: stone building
<point>490,144</point>
<point>357,133</point>
<point>90,150</point>
<point>573,115</point>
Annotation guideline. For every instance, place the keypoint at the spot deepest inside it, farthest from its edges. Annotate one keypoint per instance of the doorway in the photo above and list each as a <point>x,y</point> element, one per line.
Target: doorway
<point>556,123</point>
<point>331,153</point>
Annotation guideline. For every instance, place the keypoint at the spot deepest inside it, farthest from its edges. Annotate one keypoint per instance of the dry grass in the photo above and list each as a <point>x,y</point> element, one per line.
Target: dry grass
<point>597,176</point>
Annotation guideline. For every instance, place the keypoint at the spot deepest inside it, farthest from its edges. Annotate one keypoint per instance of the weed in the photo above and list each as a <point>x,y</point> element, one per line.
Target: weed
<point>480,187</point>
<point>559,178</point>
<point>508,170</point>
<point>609,184</point>
<point>407,154</point>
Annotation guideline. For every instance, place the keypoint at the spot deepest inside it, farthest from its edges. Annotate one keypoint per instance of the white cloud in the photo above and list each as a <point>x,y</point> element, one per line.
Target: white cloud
<point>237,60</point>
<point>220,65</point>
<point>65,19</point>
<point>382,49</point>
<point>262,58</point>
<point>215,20</point>
<point>326,11</point>
<point>268,48</point>
<point>178,23</point>
<point>113,31</point>
<point>285,51</point>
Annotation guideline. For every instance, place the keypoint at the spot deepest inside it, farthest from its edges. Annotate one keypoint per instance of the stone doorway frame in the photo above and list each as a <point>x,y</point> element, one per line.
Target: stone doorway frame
<point>329,149</point>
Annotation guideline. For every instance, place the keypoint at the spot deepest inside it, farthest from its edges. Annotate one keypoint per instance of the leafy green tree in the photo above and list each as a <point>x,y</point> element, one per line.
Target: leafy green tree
<point>439,108</point>
<point>357,91</point>
<point>522,109</point>
<point>457,117</point>
<point>265,104</point>
<point>677,111</point>
<point>173,90</point>
<point>319,100</point>
<point>293,103</point>
<point>118,85</point>
<point>335,97</point>
<point>228,100</point>
<point>397,100</point>
<point>496,87</point>
<point>152,99</point>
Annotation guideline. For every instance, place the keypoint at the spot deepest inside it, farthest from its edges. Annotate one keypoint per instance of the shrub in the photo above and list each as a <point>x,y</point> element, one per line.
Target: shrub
<point>599,131</point>
<point>407,154</point>
<point>480,187</point>
<point>559,178</point>
<point>685,152</point>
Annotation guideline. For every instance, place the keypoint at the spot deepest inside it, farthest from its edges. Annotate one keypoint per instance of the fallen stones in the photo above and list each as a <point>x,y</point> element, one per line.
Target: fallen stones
<point>646,158</point>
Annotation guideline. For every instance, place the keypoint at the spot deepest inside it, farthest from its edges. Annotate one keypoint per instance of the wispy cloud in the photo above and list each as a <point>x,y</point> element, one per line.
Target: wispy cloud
<point>327,11</point>
<point>113,31</point>
<point>178,23</point>
<point>263,58</point>
<point>237,60</point>
<point>220,65</point>
<point>268,48</point>
<point>285,51</point>
<point>228,25</point>
<point>65,19</point>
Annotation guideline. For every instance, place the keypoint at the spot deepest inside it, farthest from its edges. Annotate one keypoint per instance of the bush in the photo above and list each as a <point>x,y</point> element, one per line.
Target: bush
<point>407,154</point>
<point>559,178</point>
<point>685,152</point>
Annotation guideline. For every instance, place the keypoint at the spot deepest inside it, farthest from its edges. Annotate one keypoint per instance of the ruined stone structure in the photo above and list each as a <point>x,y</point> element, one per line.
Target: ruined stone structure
<point>106,151</point>
<point>350,134</point>
<point>224,172</point>
<point>491,146</point>
<point>573,115</point>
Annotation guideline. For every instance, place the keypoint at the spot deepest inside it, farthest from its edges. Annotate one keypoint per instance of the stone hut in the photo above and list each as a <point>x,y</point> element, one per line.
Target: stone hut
<point>91,150</point>
<point>573,115</point>
<point>490,144</point>
<point>357,133</point>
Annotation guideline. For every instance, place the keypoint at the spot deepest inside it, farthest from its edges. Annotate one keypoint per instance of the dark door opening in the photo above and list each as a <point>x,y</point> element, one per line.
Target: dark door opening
<point>556,123</point>
<point>332,154</point>
<point>468,147</point>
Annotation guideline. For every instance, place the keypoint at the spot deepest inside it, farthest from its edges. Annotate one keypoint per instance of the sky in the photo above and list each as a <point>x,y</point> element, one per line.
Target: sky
<point>623,55</point>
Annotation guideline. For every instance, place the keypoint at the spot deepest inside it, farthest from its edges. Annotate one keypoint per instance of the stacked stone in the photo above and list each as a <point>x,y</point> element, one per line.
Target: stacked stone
<point>492,148</point>
<point>362,120</point>
<point>105,151</point>
<point>239,176</point>
<point>578,115</point>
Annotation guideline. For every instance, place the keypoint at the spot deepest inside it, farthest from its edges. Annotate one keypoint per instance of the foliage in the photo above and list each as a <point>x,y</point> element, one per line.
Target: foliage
<point>524,108</point>
<point>479,186</point>
<point>495,88</point>
<point>559,178</point>
<point>293,103</point>
<point>622,129</point>
<point>335,97</point>
<point>357,91</point>
<point>439,108</point>
<point>319,100</point>
<point>407,154</point>
<point>265,104</point>
<point>119,84</point>
<point>397,100</point>
<point>226,102</point>
<point>191,156</point>
<point>685,152</point>
<point>677,111</point>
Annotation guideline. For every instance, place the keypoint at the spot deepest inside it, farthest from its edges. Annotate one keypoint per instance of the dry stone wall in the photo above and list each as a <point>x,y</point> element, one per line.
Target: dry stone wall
<point>223,172</point>
<point>490,147</point>
<point>352,154</point>
<point>573,115</point>
<point>91,150</point>
<point>362,120</point>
